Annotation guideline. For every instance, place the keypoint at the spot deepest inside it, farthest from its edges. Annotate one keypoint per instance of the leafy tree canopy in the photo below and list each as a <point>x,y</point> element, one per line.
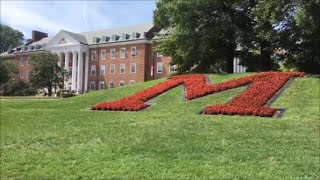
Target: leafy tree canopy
<point>7,70</point>
<point>45,70</point>
<point>9,38</point>
<point>201,34</point>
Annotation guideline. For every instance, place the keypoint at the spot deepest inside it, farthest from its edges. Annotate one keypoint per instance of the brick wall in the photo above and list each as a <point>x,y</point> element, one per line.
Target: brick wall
<point>127,76</point>
<point>23,67</point>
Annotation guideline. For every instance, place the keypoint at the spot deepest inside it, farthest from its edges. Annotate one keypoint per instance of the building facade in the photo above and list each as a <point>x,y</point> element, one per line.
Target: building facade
<point>98,59</point>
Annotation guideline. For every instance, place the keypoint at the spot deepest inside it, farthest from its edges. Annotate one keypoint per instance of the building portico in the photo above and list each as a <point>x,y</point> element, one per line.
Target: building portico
<point>73,56</point>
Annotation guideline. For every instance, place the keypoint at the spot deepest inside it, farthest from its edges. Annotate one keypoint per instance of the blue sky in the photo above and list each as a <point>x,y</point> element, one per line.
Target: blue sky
<point>75,16</point>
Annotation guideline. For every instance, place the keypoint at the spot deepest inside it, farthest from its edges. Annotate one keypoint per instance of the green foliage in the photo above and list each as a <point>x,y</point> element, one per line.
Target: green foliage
<point>7,70</point>
<point>166,141</point>
<point>301,38</point>
<point>202,35</point>
<point>9,38</point>
<point>18,88</point>
<point>4,73</point>
<point>45,71</point>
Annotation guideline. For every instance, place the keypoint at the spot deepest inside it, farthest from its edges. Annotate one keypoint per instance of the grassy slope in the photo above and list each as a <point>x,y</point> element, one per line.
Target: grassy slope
<point>61,139</point>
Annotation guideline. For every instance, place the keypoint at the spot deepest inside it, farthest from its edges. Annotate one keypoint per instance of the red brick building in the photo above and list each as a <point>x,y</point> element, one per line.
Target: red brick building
<point>98,59</point>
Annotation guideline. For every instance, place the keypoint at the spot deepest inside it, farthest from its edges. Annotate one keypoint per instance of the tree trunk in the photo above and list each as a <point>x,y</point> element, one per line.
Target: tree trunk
<point>265,54</point>
<point>230,64</point>
<point>49,90</point>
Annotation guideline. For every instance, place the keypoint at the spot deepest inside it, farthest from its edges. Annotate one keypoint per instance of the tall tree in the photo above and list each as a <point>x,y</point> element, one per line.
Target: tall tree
<point>9,38</point>
<point>45,71</point>
<point>301,37</point>
<point>7,70</point>
<point>200,35</point>
<point>4,74</point>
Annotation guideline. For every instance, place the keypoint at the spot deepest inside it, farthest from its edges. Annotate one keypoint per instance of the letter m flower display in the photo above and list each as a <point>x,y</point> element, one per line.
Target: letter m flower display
<point>252,101</point>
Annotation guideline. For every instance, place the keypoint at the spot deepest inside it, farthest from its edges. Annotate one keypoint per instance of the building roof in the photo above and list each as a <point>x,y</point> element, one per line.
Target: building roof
<point>120,34</point>
<point>82,39</point>
<point>35,46</point>
<point>140,29</point>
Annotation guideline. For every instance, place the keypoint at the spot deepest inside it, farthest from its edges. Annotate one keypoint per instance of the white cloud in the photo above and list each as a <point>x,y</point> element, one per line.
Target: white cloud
<point>15,14</point>
<point>75,16</point>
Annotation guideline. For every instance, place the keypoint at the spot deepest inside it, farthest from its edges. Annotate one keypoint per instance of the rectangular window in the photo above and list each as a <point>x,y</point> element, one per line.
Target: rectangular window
<point>159,55</point>
<point>122,68</point>
<point>21,61</point>
<point>21,74</point>
<point>121,83</point>
<point>101,84</point>
<point>112,53</point>
<point>102,69</point>
<point>103,54</point>
<point>92,85</point>
<point>112,69</point>
<point>133,68</point>
<point>93,70</point>
<point>132,81</point>
<point>93,55</point>
<point>70,71</point>
<point>27,74</point>
<point>29,61</point>
<point>172,68</point>
<point>159,67</point>
<point>123,53</point>
<point>133,51</point>
<point>111,84</point>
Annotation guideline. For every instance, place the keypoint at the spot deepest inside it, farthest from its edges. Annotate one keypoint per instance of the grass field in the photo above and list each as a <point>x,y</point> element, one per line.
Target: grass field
<point>62,139</point>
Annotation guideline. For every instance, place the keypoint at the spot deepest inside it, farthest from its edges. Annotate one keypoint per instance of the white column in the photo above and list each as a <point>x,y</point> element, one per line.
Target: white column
<point>66,67</point>
<point>60,59</point>
<point>80,66</point>
<point>74,71</point>
<point>86,72</point>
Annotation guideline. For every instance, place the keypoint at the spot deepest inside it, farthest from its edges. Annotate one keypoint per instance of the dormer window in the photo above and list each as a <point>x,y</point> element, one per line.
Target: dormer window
<point>98,40</point>
<point>104,39</point>
<point>124,36</point>
<point>135,35</point>
<point>114,37</point>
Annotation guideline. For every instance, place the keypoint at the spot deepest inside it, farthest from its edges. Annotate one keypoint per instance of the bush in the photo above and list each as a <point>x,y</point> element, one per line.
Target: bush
<point>18,88</point>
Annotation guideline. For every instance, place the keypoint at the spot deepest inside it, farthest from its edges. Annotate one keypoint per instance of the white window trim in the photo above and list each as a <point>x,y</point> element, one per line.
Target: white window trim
<point>21,61</point>
<point>124,68</point>
<point>132,82</point>
<point>158,67</point>
<point>123,57</point>
<point>110,84</point>
<point>92,53</point>
<point>135,69</point>
<point>94,85</point>
<point>121,81</point>
<point>114,69</point>
<point>159,55</point>
<point>104,72</point>
<point>101,82</point>
<point>105,55</point>
<point>135,55</point>
<point>114,54</point>
<point>95,70</point>
<point>21,74</point>
<point>28,61</point>
<point>173,67</point>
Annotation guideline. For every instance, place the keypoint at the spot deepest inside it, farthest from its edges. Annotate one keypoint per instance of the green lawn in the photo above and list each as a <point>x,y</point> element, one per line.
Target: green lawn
<point>62,139</point>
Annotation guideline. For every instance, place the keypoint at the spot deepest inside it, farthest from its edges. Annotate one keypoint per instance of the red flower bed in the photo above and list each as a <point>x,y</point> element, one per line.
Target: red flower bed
<point>250,102</point>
